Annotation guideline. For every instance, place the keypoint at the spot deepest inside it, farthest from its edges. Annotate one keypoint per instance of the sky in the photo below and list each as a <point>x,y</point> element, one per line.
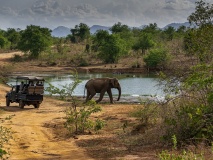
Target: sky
<point>68,13</point>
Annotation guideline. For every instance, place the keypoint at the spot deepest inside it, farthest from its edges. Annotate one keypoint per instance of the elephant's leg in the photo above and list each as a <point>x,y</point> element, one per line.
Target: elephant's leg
<point>110,95</point>
<point>101,96</point>
<point>88,95</point>
<point>92,94</point>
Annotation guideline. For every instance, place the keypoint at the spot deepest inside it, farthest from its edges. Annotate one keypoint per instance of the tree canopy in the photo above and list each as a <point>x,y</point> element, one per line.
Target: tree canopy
<point>203,14</point>
<point>112,48</point>
<point>80,33</point>
<point>13,35</point>
<point>35,40</point>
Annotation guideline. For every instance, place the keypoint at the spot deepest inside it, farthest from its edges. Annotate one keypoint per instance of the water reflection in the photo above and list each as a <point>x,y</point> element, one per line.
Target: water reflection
<point>131,84</point>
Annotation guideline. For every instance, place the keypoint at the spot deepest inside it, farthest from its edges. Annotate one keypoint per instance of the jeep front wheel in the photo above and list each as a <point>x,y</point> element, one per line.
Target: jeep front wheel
<point>7,101</point>
<point>21,104</point>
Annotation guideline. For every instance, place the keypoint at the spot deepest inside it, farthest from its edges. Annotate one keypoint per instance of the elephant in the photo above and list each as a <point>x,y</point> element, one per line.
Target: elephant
<point>102,85</point>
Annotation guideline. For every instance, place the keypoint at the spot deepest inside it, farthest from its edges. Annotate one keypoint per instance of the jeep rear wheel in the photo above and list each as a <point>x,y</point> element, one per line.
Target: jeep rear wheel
<point>36,105</point>
<point>21,104</point>
<point>7,101</point>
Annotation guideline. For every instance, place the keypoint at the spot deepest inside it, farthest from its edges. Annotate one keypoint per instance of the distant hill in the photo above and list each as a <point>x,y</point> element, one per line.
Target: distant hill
<point>177,25</point>
<point>60,31</point>
<point>95,28</point>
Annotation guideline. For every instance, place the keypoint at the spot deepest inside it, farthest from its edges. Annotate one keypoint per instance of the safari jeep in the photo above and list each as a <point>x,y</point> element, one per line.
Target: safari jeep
<point>27,91</point>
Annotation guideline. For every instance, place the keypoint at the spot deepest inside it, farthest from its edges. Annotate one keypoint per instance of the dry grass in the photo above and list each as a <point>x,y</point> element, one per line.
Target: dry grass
<point>114,140</point>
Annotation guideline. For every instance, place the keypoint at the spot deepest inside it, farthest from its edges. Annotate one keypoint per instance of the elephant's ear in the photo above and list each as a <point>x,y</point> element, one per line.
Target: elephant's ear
<point>112,81</point>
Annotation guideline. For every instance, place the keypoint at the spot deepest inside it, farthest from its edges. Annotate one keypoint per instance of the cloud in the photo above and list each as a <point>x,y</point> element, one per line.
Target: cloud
<point>47,8</point>
<point>51,13</point>
<point>170,11</point>
<point>179,4</point>
<point>6,11</point>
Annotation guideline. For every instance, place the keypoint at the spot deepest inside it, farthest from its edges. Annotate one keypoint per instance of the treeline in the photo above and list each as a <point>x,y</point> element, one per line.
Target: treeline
<point>110,46</point>
<point>155,46</point>
<point>149,42</point>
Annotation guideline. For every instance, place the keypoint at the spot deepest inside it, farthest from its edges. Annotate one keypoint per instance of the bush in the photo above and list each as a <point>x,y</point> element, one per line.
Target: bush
<point>189,122</point>
<point>83,62</point>
<point>78,119</point>
<point>147,113</point>
<point>165,155</point>
<point>189,115</point>
<point>4,71</point>
<point>156,58</point>
<point>17,58</point>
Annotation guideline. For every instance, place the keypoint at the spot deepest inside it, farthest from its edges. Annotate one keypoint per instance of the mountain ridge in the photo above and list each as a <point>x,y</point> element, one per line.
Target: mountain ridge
<point>62,31</point>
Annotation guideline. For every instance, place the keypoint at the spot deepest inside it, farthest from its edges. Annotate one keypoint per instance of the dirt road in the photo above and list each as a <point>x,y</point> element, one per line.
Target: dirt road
<point>34,135</point>
<point>31,140</point>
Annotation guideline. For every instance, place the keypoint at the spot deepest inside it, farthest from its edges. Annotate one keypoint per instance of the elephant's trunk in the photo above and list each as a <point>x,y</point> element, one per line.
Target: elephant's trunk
<point>119,94</point>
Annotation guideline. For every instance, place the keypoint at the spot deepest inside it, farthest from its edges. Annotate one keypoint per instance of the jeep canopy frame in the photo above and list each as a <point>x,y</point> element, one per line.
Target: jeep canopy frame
<point>30,78</point>
<point>29,92</point>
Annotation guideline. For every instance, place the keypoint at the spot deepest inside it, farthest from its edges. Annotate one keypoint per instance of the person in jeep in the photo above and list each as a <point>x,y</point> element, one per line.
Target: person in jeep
<point>21,86</point>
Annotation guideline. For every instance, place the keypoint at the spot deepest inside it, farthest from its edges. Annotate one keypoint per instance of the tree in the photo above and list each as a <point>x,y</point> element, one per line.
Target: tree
<point>203,14</point>
<point>118,28</point>
<point>3,41</point>
<point>136,31</point>
<point>156,58</point>
<point>144,43</point>
<point>13,36</point>
<point>80,33</point>
<point>152,28</point>
<point>169,32</point>
<point>99,39</point>
<point>35,40</point>
<point>124,32</point>
<point>199,41</point>
<point>112,48</point>
<point>182,29</point>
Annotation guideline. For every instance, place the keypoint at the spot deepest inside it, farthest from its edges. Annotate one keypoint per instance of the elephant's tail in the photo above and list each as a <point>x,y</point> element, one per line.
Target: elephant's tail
<point>84,92</point>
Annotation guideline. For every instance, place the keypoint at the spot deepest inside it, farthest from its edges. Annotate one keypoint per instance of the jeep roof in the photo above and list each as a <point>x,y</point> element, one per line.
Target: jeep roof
<point>31,78</point>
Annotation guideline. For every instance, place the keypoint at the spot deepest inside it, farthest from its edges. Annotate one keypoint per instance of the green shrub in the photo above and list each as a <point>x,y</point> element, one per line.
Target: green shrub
<point>156,58</point>
<point>190,122</point>
<point>4,71</point>
<point>189,116</point>
<point>83,62</point>
<point>17,58</point>
<point>165,155</point>
<point>174,155</point>
<point>78,118</point>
